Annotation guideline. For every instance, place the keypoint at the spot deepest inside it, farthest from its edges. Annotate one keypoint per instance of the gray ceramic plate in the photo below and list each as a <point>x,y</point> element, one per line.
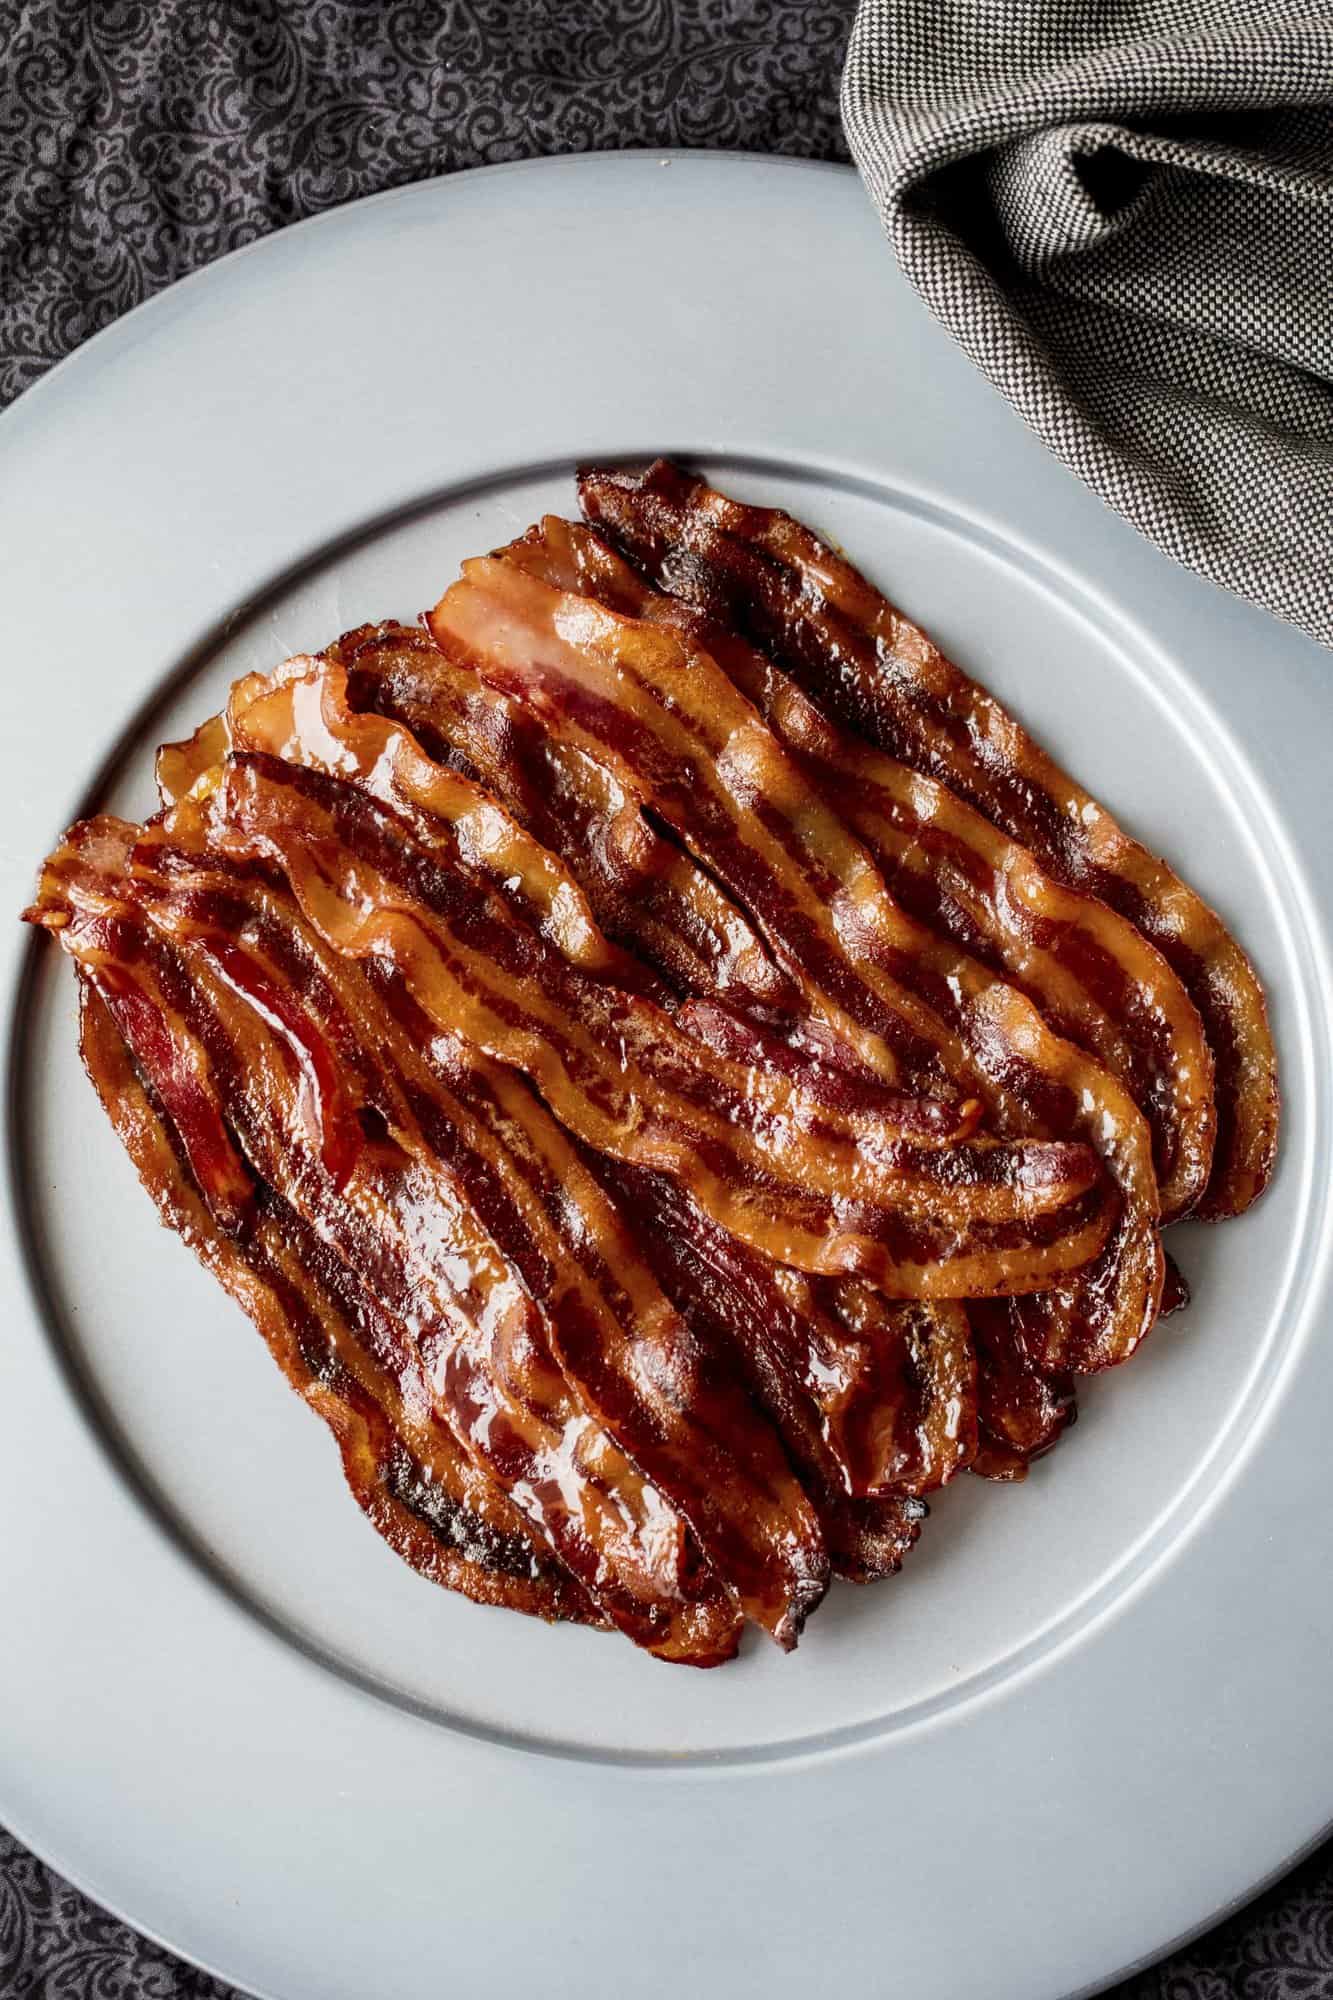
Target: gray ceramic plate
<point>1094,1710</point>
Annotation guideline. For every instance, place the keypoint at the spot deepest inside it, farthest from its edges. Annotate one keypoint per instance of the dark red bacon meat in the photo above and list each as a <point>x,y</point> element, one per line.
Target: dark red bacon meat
<point>868,667</point>
<point>671,1070</point>
<point>658,711</point>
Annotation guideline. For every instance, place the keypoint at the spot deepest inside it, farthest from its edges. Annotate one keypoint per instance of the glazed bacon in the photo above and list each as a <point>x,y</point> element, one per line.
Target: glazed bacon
<point>286,714</point>
<point>806,1376</point>
<point>352,1362</point>
<point>1031,1407</point>
<point>821,1190</point>
<point>344,1357</point>
<point>1022,1410</point>
<point>1096,980</point>
<point>401,674</point>
<point>375,755</point>
<point>891,1385</point>
<point>646,892</point>
<point>669,1106</point>
<point>425,1224</point>
<point>870,669</point>
<point>664,717</point>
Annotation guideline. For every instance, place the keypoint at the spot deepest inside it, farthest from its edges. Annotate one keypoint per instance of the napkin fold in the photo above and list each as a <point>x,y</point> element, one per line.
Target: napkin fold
<point>1123,212</point>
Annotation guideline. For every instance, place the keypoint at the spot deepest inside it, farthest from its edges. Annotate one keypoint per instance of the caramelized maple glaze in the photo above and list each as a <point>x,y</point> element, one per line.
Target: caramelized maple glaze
<point>663,715</point>
<point>405,1222</point>
<point>673,1072</point>
<point>769,1160</point>
<point>449,707</point>
<point>330,1340</point>
<point>647,893</point>
<point>871,669</point>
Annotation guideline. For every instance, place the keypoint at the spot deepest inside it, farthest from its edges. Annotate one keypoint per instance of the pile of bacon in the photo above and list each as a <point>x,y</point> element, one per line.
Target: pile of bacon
<point>672,1070</point>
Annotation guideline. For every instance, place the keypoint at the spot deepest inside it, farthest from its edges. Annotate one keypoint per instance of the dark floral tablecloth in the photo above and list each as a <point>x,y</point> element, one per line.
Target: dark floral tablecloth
<point>139,140</point>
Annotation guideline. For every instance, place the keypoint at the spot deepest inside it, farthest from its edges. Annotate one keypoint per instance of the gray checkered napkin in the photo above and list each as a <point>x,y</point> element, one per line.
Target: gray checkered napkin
<point>1123,212</point>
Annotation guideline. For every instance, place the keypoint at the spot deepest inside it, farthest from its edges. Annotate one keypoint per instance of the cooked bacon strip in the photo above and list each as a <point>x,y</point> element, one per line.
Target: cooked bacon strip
<point>451,710</point>
<point>1097,981</point>
<point>436,698</point>
<point>1018,1398</point>
<point>892,1384</point>
<point>411,1481</point>
<point>410,1231</point>
<point>1070,954</point>
<point>302,715</point>
<point>915,1415</point>
<point>219,1172</point>
<point>178,766</point>
<point>670,724</point>
<point>906,1381</point>
<point>824,1067</point>
<point>293,712</point>
<point>305,713</point>
<point>454,713</point>
<point>303,718</point>
<point>877,673</point>
<point>678,737</point>
<point>1023,1409</point>
<point>740,1304</point>
<point>645,891</point>
<point>669,1401</point>
<point>870,1539</point>
<point>820,1191</point>
<point>685,1422</point>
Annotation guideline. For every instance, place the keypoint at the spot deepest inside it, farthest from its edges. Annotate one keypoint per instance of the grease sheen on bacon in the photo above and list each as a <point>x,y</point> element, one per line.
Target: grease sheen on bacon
<point>1096,980</point>
<point>433,716</point>
<point>661,713</point>
<point>561,1180</point>
<point>646,1049</point>
<point>343,1357</point>
<point>451,709</point>
<point>890,1385</point>
<point>647,893</point>
<point>612,1329</point>
<point>875,671</point>
<point>404,1223</point>
<point>834,1192</point>
<point>356,1366</point>
<point>657,901</point>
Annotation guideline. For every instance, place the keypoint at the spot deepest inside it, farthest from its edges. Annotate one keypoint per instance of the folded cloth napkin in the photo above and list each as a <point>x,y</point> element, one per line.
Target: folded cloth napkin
<point>1123,212</point>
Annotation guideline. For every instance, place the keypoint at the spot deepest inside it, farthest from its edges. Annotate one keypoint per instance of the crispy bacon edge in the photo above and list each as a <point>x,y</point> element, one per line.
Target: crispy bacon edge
<point>873,670</point>
<point>418,1504</point>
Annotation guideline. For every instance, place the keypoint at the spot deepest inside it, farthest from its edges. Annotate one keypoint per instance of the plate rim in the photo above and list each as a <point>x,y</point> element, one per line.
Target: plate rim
<point>125,330</point>
<point>1221,1463</point>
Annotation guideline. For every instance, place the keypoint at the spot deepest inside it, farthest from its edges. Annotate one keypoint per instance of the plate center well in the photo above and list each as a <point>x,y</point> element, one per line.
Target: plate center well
<point>187,1393</point>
